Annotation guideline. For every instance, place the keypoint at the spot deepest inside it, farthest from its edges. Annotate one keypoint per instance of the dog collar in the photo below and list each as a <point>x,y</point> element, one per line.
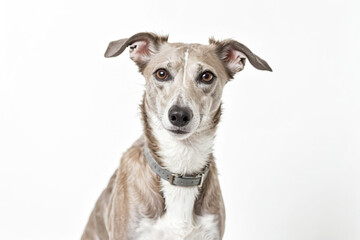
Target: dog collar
<point>173,178</point>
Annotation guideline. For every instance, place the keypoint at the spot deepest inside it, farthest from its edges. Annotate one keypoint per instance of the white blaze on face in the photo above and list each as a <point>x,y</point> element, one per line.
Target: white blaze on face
<point>185,64</point>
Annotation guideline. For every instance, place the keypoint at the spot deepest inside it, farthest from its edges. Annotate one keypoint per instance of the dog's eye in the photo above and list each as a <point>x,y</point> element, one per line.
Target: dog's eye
<point>161,74</point>
<point>207,77</point>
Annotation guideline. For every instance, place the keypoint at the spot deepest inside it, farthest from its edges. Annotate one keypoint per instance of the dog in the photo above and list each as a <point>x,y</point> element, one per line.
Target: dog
<point>166,186</point>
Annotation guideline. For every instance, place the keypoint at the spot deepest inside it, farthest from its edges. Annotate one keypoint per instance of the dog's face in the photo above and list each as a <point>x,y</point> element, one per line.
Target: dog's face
<point>184,82</point>
<point>184,87</point>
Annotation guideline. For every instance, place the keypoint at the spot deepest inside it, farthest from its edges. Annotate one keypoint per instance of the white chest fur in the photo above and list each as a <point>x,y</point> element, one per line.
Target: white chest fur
<point>203,228</point>
<point>179,221</point>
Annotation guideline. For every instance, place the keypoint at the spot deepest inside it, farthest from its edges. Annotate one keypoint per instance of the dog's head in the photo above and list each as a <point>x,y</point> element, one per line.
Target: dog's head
<point>184,82</point>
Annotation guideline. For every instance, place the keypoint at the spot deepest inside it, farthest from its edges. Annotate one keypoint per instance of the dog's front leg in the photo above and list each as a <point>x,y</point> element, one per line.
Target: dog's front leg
<point>119,217</point>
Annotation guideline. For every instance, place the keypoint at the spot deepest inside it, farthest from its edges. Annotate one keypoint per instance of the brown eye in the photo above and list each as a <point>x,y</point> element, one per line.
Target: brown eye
<point>207,77</point>
<point>161,74</point>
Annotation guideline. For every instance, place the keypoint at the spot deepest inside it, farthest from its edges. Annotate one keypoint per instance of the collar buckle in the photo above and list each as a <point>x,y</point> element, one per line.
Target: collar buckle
<point>172,177</point>
<point>202,175</point>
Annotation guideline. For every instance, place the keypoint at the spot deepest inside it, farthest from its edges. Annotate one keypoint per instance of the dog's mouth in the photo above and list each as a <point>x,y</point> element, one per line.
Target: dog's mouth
<point>178,131</point>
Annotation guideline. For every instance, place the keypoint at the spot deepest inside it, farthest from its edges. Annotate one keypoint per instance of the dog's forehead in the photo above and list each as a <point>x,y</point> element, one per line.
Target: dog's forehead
<point>192,49</point>
<point>176,55</point>
<point>179,53</point>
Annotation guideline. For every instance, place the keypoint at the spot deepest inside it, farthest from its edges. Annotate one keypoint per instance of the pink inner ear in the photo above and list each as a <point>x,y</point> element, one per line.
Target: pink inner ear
<point>143,47</point>
<point>234,59</point>
<point>140,50</point>
<point>233,56</point>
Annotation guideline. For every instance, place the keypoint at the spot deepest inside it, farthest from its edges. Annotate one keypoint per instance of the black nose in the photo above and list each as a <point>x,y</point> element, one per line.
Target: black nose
<point>180,116</point>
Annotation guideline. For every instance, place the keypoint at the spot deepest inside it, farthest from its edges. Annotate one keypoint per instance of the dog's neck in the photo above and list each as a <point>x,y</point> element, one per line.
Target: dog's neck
<point>188,156</point>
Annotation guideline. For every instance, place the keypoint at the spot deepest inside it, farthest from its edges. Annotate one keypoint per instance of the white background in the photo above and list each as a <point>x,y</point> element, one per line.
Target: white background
<point>287,146</point>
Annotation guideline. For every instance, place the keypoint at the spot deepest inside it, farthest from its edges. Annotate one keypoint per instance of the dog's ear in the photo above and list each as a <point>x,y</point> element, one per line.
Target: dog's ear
<point>234,55</point>
<point>142,47</point>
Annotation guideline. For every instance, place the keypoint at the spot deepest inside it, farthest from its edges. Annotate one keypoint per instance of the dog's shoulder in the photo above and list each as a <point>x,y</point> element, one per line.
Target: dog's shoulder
<point>133,158</point>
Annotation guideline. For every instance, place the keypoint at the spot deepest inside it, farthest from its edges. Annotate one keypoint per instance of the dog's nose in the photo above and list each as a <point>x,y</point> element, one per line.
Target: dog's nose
<point>180,116</point>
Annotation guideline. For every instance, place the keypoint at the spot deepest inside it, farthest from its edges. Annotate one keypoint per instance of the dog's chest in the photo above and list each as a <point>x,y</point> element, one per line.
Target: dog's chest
<point>205,228</point>
<point>179,221</point>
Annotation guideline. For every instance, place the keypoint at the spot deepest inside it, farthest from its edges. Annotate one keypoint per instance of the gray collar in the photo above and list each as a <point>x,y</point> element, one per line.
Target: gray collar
<point>173,178</point>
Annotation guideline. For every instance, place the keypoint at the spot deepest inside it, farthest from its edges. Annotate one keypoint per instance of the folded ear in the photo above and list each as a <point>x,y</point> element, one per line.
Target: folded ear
<point>234,55</point>
<point>142,47</point>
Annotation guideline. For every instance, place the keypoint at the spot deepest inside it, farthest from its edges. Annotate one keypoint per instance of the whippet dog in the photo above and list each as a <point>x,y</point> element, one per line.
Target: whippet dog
<point>166,186</point>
